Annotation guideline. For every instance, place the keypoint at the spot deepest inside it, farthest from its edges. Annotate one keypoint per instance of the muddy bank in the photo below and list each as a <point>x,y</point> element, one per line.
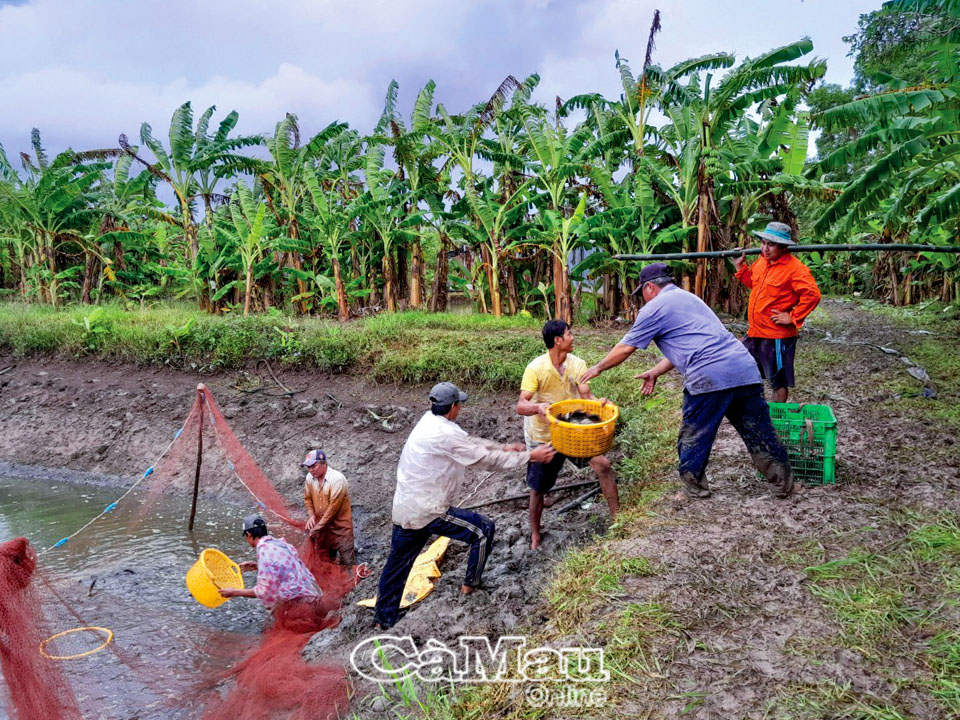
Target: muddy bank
<point>105,423</point>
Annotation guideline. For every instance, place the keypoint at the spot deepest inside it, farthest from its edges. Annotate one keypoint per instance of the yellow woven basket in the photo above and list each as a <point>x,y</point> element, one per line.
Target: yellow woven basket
<point>212,571</point>
<point>582,441</point>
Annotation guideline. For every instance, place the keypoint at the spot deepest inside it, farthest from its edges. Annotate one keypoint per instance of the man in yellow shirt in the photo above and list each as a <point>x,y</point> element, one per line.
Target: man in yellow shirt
<point>552,377</point>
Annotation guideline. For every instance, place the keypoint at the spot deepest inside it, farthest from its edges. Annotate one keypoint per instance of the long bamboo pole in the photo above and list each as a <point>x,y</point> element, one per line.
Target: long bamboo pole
<point>849,247</point>
<point>526,495</point>
<point>196,477</point>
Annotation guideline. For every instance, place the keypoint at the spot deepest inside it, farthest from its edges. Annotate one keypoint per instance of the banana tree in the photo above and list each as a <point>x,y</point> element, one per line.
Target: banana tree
<point>560,236</point>
<point>192,165</point>
<point>246,232</point>
<point>414,152</point>
<point>284,181</point>
<point>55,203</point>
<point>382,215</point>
<point>628,218</point>
<point>702,117</point>
<point>494,216</point>
<point>554,160</point>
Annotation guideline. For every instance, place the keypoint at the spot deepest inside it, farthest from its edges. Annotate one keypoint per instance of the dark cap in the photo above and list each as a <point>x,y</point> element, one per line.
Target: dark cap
<point>313,457</point>
<point>446,393</point>
<point>252,521</point>
<point>653,271</point>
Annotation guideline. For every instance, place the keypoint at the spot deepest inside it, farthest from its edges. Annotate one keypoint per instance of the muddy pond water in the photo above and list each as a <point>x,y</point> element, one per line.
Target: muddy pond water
<point>126,572</point>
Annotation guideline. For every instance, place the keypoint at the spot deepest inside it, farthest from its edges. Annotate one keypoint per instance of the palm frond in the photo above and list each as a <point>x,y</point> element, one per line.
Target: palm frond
<point>864,193</point>
<point>867,110</point>
<point>945,209</point>
<point>226,127</point>
<point>712,61</point>
<point>181,135</point>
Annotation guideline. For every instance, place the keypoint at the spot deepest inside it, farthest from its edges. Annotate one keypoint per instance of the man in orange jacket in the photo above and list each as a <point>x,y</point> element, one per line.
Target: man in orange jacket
<point>783,294</point>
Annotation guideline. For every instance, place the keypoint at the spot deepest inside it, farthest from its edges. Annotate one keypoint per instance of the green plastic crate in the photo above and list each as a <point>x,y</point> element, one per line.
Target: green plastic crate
<point>809,433</point>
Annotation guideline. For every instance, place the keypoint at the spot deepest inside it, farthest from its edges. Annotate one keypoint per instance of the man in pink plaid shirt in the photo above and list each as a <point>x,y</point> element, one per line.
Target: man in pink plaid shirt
<point>281,574</point>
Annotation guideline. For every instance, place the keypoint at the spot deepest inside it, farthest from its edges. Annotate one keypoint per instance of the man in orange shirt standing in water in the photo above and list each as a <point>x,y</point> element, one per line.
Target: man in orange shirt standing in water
<point>783,294</point>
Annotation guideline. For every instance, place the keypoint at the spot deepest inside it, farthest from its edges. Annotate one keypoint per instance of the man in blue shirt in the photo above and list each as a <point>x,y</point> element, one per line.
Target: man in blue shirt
<point>720,379</point>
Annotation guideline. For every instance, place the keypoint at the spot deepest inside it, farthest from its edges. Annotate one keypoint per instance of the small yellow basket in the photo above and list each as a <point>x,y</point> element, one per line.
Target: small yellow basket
<point>582,441</point>
<point>212,571</point>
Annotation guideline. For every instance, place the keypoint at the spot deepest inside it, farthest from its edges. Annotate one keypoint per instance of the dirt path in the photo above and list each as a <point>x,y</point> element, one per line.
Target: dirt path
<point>751,636</point>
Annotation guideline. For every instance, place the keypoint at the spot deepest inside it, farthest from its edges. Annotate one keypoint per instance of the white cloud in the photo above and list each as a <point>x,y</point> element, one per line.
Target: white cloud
<point>72,106</point>
<point>85,71</point>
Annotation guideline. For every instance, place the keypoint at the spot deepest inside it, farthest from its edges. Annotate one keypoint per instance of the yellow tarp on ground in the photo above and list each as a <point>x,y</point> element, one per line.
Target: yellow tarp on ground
<point>424,572</point>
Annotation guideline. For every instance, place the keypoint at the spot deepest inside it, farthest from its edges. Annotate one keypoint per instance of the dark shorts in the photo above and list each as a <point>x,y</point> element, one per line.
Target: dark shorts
<point>774,359</point>
<point>541,477</point>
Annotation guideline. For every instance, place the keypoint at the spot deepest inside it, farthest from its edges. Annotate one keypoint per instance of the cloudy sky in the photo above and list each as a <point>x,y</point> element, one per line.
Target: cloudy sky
<point>83,71</point>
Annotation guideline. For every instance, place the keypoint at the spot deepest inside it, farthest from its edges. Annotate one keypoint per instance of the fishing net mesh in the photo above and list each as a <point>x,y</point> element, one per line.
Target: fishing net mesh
<point>229,675</point>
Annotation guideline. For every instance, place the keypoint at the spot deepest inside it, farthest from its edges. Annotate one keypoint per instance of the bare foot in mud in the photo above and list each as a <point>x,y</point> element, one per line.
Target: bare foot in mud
<point>535,542</point>
<point>466,589</point>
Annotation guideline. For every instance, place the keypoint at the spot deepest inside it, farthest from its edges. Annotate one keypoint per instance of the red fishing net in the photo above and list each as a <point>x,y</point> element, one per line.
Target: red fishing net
<point>269,680</point>
<point>35,686</point>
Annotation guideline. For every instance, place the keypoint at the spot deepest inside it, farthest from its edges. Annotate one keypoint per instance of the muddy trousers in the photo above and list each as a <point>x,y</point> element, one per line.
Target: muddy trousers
<point>749,414</point>
<point>456,524</point>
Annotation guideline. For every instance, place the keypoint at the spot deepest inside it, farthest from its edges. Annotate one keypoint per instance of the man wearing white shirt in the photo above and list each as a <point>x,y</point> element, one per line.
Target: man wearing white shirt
<point>429,476</point>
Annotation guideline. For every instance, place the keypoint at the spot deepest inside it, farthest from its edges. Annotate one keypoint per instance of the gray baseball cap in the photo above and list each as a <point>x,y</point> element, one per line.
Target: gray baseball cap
<point>252,521</point>
<point>446,393</point>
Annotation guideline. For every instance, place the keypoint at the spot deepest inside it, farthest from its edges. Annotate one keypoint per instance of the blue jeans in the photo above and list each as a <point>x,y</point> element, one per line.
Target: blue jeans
<point>749,414</point>
<point>405,545</point>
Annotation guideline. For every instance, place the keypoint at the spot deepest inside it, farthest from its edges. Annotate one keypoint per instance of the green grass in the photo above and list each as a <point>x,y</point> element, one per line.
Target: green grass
<point>587,578</point>
<point>829,699</point>
<point>929,315</point>
<point>402,347</point>
<point>884,600</point>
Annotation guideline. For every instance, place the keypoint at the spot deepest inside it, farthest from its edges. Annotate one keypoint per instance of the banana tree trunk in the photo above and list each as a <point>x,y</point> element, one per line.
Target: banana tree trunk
<point>416,274</point>
<point>493,282</point>
<point>438,294</point>
<point>248,291</point>
<point>343,309</point>
<point>52,264</point>
<point>388,282</point>
<point>703,238</point>
<point>685,247</point>
<point>513,299</point>
<point>561,290</point>
<point>374,292</point>
<point>89,272</point>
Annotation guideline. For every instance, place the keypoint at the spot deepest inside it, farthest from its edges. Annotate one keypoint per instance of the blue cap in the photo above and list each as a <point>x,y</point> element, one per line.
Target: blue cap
<point>313,457</point>
<point>777,232</point>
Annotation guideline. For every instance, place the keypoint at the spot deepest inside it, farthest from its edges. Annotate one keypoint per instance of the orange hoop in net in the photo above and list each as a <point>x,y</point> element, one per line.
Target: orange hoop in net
<point>107,633</point>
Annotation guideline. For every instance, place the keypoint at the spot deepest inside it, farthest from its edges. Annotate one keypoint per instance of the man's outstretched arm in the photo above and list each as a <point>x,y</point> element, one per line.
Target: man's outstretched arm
<point>616,356</point>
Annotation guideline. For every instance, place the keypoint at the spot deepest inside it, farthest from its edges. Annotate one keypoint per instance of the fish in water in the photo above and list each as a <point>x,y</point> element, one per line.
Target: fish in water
<point>578,417</point>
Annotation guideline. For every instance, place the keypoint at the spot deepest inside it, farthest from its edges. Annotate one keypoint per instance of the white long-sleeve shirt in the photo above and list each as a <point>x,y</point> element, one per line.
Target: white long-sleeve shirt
<point>432,465</point>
